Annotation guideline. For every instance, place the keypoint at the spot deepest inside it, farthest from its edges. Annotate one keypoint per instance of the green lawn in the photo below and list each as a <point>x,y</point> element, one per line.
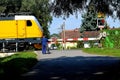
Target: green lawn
<point>103,51</point>
<point>18,63</point>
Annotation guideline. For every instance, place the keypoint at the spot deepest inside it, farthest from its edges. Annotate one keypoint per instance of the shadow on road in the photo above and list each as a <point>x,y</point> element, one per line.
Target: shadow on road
<point>75,68</point>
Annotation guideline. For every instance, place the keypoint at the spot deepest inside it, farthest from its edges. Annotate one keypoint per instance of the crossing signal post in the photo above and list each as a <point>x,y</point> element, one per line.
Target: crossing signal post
<point>101,20</point>
<point>101,23</point>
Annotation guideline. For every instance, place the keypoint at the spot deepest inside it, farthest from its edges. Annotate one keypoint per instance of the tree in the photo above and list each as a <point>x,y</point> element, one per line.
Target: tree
<point>67,7</point>
<point>10,6</point>
<point>55,35</point>
<point>89,22</point>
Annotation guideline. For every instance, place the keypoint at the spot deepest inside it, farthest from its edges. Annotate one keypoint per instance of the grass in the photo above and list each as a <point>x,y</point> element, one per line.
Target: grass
<point>17,64</point>
<point>103,51</point>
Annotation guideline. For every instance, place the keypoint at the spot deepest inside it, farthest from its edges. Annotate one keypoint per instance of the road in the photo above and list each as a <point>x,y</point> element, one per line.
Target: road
<point>74,65</point>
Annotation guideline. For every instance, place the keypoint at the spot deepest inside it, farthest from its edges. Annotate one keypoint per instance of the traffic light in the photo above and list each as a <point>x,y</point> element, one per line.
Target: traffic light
<point>101,22</point>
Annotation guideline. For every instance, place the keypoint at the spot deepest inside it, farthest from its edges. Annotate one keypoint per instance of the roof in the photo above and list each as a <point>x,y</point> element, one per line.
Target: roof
<point>75,33</point>
<point>90,34</point>
<point>25,17</point>
<point>19,17</point>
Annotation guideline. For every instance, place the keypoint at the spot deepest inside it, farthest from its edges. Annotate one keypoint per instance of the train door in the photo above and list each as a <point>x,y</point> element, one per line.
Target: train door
<point>21,28</point>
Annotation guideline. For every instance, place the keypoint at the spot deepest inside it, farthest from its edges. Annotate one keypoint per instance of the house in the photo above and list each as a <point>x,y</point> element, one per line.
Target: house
<point>69,38</point>
<point>75,33</point>
<point>90,34</point>
<point>70,34</point>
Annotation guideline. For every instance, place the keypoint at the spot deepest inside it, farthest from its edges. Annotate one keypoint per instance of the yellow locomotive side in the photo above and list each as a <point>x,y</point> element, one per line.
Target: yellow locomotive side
<point>20,28</point>
<point>33,31</point>
<point>8,29</point>
<point>20,32</point>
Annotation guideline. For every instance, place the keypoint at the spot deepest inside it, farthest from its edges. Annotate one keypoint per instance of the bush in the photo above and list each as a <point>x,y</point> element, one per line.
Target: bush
<point>112,40</point>
<point>80,44</point>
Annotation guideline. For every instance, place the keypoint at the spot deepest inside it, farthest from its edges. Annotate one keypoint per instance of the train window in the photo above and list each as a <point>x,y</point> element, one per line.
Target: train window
<point>29,23</point>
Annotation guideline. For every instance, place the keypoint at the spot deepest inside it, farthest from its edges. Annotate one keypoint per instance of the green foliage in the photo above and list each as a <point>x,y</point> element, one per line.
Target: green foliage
<point>58,45</point>
<point>103,51</point>
<point>112,40</point>
<point>17,64</point>
<point>89,22</point>
<point>80,44</point>
<point>55,35</point>
<point>10,6</point>
<point>67,7</point>
<point>73,47</point>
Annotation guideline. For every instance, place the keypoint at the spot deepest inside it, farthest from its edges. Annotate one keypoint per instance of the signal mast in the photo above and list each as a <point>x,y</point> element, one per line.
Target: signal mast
<point>101,20</point>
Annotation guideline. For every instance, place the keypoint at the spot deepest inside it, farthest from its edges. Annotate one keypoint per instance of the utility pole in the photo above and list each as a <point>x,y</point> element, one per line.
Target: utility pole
<point>63,30</point>
<point>63,36</point>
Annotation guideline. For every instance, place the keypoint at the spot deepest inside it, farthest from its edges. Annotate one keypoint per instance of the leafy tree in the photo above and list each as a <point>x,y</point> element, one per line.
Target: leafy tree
<point>67,7</point>
<point>10,6</point>
<point>55,35</point>
<point>89,22</point>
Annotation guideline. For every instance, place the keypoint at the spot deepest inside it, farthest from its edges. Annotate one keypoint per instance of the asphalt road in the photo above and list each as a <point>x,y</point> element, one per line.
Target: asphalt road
<point>73,65</point>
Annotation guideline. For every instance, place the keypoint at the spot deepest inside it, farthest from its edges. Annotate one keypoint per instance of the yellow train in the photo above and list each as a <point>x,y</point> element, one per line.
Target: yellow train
<point>20,32</point>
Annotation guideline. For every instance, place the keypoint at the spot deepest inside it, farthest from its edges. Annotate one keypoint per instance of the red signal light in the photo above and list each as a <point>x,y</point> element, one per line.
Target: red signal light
<point>103,21</point>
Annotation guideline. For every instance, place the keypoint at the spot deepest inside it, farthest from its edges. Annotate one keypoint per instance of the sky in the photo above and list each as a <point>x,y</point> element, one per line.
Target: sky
<point>72,22</point>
